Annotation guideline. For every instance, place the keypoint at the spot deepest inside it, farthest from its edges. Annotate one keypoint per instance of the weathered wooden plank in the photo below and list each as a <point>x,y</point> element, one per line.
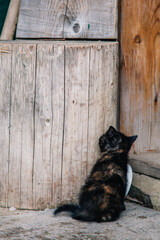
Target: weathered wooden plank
<point>49,113</point>
<point>5,73</point>
<point>76,120</point>
<point>146,163</point>
<point>140,67</point>
<point>102,95</point>
<point>90,107</point>
<point>68,19</point>
<point>63,97</point>
<point>22,125</point>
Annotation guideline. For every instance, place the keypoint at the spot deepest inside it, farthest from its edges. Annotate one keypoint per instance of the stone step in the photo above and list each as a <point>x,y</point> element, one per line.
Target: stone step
<point>146,179</point>
<point>146,163</point>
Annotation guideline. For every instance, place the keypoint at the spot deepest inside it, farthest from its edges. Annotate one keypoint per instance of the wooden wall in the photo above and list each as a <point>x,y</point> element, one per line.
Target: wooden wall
<point>140,72</point>
<point>56,99</point>
<point>85,19</point>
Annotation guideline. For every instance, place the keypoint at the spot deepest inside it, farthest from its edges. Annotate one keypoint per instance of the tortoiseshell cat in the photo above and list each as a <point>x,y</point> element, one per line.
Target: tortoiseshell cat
<point>101,199</point>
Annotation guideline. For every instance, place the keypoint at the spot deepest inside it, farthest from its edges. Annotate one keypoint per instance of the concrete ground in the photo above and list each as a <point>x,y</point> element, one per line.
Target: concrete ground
<point>136,222</point>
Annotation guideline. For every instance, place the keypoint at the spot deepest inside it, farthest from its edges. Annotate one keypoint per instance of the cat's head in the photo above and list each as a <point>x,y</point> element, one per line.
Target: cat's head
<point>114,141</point>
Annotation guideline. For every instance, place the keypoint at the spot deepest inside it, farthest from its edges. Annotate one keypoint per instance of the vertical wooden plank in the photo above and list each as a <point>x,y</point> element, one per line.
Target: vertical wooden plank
<point>76,119</point>
<point>5,73</point>
<point>91,75</point>
<point>155,125</point>
<point>140,66</point>
<point>22,125</point>
<point>102,95</point>
<point>48,125</point>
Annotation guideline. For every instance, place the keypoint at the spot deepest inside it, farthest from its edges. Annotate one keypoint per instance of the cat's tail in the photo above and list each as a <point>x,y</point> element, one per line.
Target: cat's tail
<point>76,212</point>
<point>67,208</point>
<point>82,214</point>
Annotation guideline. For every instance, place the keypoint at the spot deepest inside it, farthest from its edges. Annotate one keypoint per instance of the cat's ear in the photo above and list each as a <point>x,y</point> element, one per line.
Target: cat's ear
<point>132,139</point>
<point>111,129</point>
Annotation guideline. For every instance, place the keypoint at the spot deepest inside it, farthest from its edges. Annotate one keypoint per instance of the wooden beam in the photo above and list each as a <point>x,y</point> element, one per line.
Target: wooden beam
<point>3,12</point>
<point>9,27</point>
<point>90,19</point>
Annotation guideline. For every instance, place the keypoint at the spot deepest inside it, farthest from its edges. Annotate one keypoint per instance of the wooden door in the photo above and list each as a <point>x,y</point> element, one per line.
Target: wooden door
<point>53,111</point>
<point>59,98</point>
<point>140,72</point>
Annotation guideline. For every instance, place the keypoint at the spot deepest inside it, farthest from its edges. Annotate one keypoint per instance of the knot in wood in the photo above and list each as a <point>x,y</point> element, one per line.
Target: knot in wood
<point>47,121</point>
<point>137,39</point>
<point>76,27</point>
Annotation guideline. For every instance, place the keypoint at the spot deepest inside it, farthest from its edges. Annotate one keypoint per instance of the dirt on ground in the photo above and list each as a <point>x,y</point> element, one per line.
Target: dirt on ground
<point>136,222</point>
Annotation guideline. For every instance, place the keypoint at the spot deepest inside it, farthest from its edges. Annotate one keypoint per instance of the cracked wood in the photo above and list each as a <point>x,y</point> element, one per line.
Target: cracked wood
<point>68,19</point>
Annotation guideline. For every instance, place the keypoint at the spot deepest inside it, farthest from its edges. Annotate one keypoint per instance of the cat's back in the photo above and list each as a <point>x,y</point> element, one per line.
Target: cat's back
<point>108,165</point>
<point>108,170</point>
<point>105,185</point>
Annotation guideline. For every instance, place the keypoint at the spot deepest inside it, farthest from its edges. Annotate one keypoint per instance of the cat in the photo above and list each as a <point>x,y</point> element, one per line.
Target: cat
<point>101,199</point>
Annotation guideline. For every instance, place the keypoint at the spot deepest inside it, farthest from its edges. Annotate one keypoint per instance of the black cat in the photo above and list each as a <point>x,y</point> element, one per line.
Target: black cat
<point>101,199</point>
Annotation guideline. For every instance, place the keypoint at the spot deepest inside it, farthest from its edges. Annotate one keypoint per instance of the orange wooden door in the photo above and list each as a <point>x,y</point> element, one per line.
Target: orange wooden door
<point>140,72</point>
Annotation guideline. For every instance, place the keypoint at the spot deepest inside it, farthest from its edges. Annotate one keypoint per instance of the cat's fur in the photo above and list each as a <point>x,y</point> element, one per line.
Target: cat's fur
<point>101,199</point>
